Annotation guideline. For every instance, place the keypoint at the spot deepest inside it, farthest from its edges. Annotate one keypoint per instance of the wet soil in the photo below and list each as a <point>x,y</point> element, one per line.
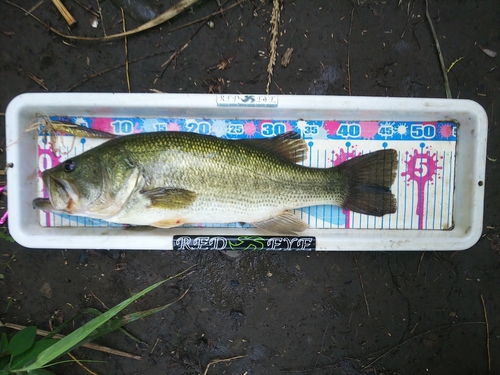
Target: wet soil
<point>285,312</point>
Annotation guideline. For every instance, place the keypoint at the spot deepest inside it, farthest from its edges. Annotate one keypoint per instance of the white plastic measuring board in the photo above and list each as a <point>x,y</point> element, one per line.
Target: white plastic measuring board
<point>440,144</point>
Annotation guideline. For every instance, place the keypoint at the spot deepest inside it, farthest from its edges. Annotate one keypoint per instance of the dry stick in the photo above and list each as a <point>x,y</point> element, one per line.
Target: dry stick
<point>88,8</point>
<point>416,337</point>
<point>81,364</point>
<point>275,19</point>
<point>440,55</point>
<point>487,335</point>
<point>37,80</point>
<point>420,262</point>
<point>99,10</point>
<point>70,20</point>
<point>220,11</point>
<point>176,54</point>
<point>127,74</point>
<point>362,285</point>
<point>89,345</point>
<point>34,7</point>
<point>349,58</point>
<point>222,360</point>
<point>111,69</point>
<point>169,14</point>
<point>321,349</point>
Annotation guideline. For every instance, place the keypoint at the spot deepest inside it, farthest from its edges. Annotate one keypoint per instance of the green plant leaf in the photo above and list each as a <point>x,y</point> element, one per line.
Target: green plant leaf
<point>6,237</point>
<point>115,324</point>
<point>4,343</point>
<point>4,372</point>
<point>40,371</point>
<point>28,357</point>
<point>4,361</point>
<point>22,341</point>
<point>75,338</point>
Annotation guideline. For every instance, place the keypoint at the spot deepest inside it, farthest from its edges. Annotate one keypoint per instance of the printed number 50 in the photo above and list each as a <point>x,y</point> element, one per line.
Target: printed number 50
<point>419,131</point>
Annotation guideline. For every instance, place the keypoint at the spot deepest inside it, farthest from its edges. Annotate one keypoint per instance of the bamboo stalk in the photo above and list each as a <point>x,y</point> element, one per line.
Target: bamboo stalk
<point>64,12</point>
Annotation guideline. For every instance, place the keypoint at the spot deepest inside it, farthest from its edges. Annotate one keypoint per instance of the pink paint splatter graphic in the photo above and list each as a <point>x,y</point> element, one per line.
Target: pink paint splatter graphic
<point>249,128</point>
<point>369,129</point>
<point>103,124</point>
<point>342,156</point>
<point>331,127</point>
<point>446,130</point>
<point>173,126</point>
<point>421,168</point>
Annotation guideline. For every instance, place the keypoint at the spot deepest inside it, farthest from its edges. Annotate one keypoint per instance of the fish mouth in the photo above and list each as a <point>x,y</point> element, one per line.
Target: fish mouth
<point>62,195</point>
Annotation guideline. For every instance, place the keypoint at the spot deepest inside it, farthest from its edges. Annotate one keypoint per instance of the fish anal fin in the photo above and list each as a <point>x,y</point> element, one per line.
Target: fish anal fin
<point>168,223</point>
<point>169,198</point>
<point>288,146</point>
<point>285,223</point>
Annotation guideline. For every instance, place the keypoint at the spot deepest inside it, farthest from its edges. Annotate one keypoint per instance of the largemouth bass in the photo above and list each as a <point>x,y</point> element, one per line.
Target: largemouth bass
<point>167,179</point>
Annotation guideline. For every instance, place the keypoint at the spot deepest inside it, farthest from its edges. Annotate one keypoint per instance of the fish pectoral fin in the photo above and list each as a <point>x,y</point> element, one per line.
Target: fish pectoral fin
<point>168,223</point>
<point>285,223</point>
<point>170,198</point>
<point>289,146</point>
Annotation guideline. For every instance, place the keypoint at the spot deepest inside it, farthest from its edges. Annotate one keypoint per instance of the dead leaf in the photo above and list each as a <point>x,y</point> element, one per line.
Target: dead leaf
<point>489,52</point>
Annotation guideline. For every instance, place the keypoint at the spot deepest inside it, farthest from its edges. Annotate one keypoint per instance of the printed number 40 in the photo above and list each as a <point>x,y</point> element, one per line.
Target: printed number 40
<point>349,130</point>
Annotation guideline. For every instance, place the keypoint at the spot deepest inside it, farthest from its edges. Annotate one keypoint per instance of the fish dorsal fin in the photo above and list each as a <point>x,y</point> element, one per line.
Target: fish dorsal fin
<point>289,146</point>
<point>285,223</point>
<point>169,198</point>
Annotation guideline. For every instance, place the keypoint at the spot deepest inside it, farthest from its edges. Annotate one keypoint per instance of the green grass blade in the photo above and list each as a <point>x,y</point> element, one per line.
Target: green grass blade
<point>74,338</point>
<point>117,323</point>
<point>81,333</point>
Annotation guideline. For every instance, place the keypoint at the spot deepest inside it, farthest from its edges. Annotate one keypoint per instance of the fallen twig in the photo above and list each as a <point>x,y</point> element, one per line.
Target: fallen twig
<point>214,362</point>
<point>487,335</point>
<point>416,337</point>
<point>205,18</point>
<point>113,68</point>
<point>39,81</point>
<point>349,56</point>
<point>162,18</point>
<point>362,285</point>
<point>89,345</point>
<point>125,40</point>
<point>438,48</point>
<point>81,364</point>
<point>88,8</point>
<point>34,7</point>
<point>175,55</point>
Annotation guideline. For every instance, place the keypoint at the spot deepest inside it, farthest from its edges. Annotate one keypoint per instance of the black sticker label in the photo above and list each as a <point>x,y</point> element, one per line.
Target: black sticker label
<point>245,243</point>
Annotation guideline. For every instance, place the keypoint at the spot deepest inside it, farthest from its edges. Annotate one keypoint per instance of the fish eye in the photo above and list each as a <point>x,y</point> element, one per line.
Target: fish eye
<point>69,165</point>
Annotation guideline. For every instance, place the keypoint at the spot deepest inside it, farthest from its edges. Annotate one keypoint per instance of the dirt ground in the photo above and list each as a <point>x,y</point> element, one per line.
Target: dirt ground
<point>285,312</point>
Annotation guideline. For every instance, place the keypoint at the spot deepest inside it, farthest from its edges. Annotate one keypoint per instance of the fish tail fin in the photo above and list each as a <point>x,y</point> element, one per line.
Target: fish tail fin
<point>368,179</point>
